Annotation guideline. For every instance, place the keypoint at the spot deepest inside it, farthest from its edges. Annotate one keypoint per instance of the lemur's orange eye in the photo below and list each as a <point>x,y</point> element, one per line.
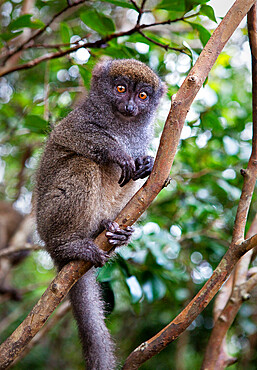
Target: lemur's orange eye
<point>142,95</point>
<point>121,88</point>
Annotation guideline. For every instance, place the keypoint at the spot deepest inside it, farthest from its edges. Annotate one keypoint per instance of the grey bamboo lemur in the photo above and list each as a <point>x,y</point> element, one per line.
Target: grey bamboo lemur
<point>87,174</point>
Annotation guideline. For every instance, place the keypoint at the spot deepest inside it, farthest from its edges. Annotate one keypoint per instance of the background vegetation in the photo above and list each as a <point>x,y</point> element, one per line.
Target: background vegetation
<point>182,237</point>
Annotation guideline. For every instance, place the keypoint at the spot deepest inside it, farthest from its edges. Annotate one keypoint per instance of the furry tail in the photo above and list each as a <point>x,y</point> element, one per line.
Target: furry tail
<point>88,310</point>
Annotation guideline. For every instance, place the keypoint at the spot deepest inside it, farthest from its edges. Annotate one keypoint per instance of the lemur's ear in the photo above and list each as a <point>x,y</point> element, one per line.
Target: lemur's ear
<point>164,88</point>
<point>101,66</point>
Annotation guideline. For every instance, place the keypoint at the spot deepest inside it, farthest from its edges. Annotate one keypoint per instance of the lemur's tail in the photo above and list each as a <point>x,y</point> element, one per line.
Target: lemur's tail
<point>88,310</point>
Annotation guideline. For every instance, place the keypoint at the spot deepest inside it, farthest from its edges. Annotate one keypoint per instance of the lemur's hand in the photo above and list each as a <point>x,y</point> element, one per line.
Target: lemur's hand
<point>144,166</point>
<point>127,165</point>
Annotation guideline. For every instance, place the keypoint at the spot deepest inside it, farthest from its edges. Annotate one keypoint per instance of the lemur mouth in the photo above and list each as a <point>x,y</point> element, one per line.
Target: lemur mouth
<point>127,114</point>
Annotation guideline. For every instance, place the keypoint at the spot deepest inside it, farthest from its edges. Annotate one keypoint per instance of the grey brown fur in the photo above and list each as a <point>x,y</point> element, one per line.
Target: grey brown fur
<point>87,174</point>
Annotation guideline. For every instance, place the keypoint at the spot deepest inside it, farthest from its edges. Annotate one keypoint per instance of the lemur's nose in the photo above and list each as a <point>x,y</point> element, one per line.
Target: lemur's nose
<point>130,108</point>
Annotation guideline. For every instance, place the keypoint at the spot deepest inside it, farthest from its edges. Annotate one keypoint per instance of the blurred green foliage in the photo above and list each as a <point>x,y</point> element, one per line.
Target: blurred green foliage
<point>182,237</point>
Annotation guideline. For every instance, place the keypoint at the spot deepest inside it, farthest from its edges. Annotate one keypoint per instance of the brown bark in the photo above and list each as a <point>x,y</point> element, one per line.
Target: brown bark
<point>215,355</point>
<point>59,314</point>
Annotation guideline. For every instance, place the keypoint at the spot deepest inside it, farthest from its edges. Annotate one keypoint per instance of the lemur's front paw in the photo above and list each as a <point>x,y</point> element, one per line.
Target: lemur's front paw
<point>127,166</point>
<point>117,236</point>
<point>144,166</point>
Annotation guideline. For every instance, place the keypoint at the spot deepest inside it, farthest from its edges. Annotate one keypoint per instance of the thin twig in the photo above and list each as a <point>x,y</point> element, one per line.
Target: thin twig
<point>141,12</point>
<point>19,248</point>
<point>26,155</point>
<point>135,5</point>
<point>249,285</point>
<point>164,46</point>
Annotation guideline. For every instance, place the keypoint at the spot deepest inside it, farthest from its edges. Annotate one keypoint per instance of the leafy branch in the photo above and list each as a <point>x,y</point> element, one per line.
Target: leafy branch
<point>29,42</point>
<point>101,43</point>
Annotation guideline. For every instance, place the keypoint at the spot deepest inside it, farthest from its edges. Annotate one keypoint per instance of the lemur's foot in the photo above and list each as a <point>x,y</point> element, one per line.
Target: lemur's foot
<point>144,166</point>
<point>96,255</point>
<point>117,236</point>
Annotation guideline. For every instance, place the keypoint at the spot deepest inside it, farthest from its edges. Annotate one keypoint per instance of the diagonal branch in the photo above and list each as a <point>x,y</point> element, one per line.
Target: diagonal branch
<point>67,277</point>
<point>61,311</point>
<point>153,346</point>
<point>213,358</point>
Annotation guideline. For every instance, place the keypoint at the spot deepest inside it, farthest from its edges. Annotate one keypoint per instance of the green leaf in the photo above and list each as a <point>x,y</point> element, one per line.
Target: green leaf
<point>105,273</point>
<point>25,21</point>
<point>9,35</point>
<point>190,4</point>
<point>36,124</point>
<point>121,3</point>
<point>172,5</point>
<point>204,34</point>
<point>120,51</point>
<point>85,76</point>
<point>98,21</point>
<point>65,33</point>
<point>209,12</point>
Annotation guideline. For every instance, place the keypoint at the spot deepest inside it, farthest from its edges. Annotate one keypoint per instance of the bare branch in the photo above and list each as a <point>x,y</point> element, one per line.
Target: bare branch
<point>164,46</point>
<point>141,11</point>
<point>9,319</point>
<point>214,357</point>
<point>248,286</point>
<point>18,248</point>
<point>135,5</point>
<point>59,314</point>
<point>153,346</point>
<point>19,240</point>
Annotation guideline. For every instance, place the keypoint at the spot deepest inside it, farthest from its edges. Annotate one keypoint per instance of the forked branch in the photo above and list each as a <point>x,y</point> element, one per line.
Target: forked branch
<point>215,355</point>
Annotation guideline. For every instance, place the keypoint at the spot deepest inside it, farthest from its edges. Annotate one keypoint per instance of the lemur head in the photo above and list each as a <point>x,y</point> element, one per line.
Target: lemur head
<point>129,86</point>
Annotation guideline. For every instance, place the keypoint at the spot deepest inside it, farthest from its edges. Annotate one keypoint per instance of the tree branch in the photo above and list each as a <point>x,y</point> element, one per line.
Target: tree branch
<point>18,248</point>
<point>215,353</point>
<point>97,44</point>
<point>164,46</point>
<point>26,155</point>
<point>59,314</point>
<point>13,59</point>
<point>153,346</point>
<point>39,32</point>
